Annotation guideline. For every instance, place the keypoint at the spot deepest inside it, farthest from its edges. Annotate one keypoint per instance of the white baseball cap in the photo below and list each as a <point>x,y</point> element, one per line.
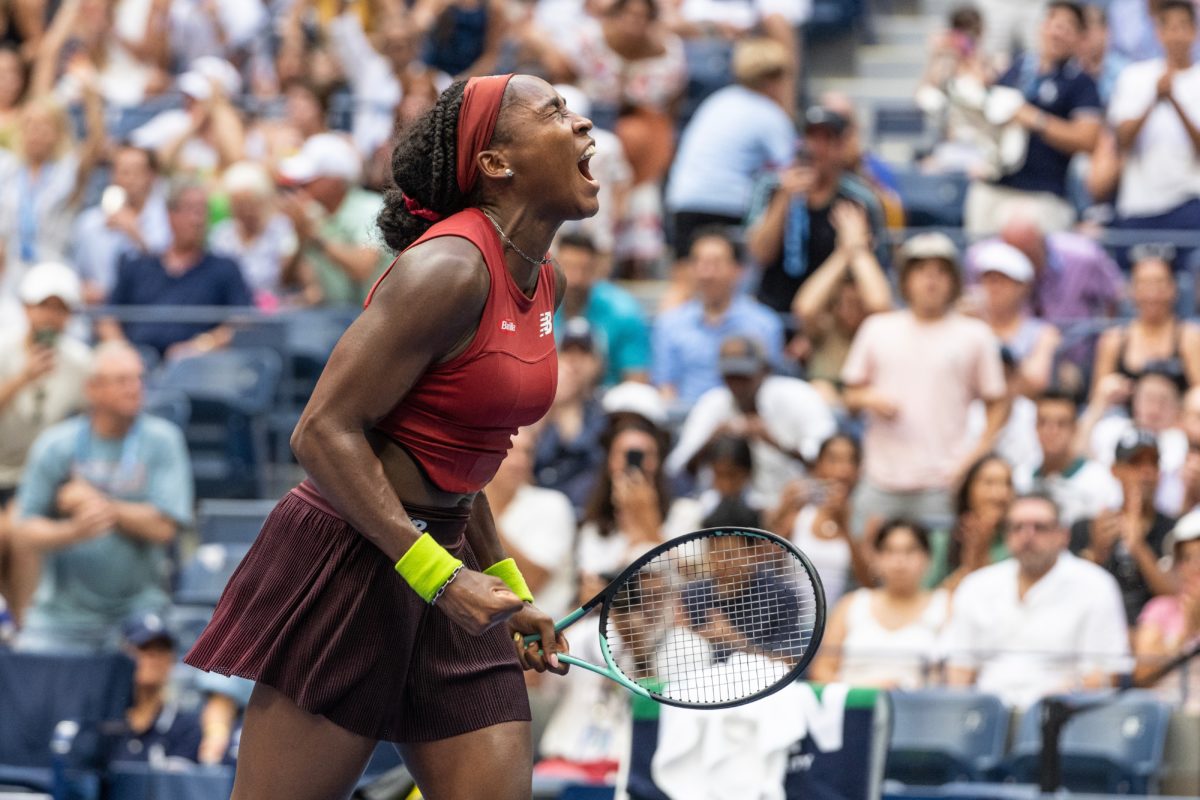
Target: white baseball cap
<point>632,397</point>
<point>324,155</point>
<point>50,279</point>
<point>997,256</point>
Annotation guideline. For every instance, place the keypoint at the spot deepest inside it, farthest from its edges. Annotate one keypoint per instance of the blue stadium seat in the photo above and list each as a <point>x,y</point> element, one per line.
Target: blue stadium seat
<point>1114,748</point>
<point>231,521</point>
<point>932,200</point>
<point>899,120</point>
<point>65,699</point>
<point>187,623</point>
<point>231,393</point>
<point>939,736</point>
<point>170,404</point>
<point>131,781</point>
<point>203,577</point>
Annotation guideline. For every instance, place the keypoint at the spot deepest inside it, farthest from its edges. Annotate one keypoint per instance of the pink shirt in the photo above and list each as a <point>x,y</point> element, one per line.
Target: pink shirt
<point>932,371</point>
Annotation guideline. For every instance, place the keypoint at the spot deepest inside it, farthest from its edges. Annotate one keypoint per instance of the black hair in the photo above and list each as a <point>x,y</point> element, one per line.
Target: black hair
<point>600,508</point>
<point>722,232</point>
<point>579,240</point>
<point>962,498</point>
<point>619,5</point>
<point>919,532</point>
<point>1075,9</point>
<point>10,48</point>
<point>732,512</point>
<point>966,19</point>
<point>321,94</point>
<point>1059,395</point>
<point>425,168</point>
<point>840,436</point>
<point>729,448</point>
<point>150,156</point>
<point>1177,5</point>
<point>1043,497</point>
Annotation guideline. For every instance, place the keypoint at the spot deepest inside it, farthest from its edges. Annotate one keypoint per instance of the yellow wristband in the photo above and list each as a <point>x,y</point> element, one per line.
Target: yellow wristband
<point>428,568</point>
<point>507,571</point>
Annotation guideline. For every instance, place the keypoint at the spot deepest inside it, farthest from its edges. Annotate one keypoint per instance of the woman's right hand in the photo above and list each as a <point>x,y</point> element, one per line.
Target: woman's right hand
<point>476,602</point>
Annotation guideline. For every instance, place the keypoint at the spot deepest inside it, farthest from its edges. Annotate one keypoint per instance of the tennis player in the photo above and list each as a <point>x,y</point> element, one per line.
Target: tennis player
<point>377,603</point>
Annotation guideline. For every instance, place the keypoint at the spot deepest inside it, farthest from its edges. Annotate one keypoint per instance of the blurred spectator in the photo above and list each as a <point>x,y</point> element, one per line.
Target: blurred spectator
<point>1099,60</point>
<point>42,374</point>
<point>536,527</point>
<point>1074,278</point>
<point>334,219</point>
<point>1017,440</point>
<point>815,516</point>
<point>784,419</point>
<point>187,274</point>
<point>101,501</point>
<point>260,238</point>
<point>887,637</point>
<point>568,452</point>
<point>207,134</point>
<point>1189,475</point>
<point>1010,26</point>
<point>834,301</point>
<point>915,373</point>
<point>1155,334</point>
<point>736,135</point>
<point>617,324</point>
<point>1005,277</point>
<point>729,461</point>
<point>461,37</point>
<point>13,80</point>
<point>1081,487</point>
<point>42,181</point>
<point>859,161</point>
<point>214,28</point>
<point>157,731</point>
<point>1133,35</point>
<point>1128,542</point>
<point>373,70</point>
<point>129,221</point>
<point>305,114</point>
<point>1062,114</point>
<point>687,339</point>
<point>1170,624</point>
<point>977,537</point>
<point>794,230</point>
<point>1042,621</point>
<point>1155,110</point>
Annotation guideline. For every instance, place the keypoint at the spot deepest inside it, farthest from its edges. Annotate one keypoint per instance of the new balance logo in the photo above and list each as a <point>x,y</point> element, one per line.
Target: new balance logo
<point>546,323</point>
<point>508,325</point>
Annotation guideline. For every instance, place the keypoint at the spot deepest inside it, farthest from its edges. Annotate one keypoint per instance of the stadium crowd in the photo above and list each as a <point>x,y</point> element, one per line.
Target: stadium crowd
<point>988,442</point>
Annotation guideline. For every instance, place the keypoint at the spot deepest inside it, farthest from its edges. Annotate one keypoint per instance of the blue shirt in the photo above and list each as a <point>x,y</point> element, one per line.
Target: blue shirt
<point>99,248</point>
<point>571,465</point>
<point>144,281</point>
<point>686,347</point>
<point>175,734</point>
<point>618,323</point>
<point>734,136</point>
<point>1065,91</point>
<point>88,589</point>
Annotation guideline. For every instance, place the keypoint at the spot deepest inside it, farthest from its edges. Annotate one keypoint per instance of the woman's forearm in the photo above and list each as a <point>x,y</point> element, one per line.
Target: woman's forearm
<point>482,534</point>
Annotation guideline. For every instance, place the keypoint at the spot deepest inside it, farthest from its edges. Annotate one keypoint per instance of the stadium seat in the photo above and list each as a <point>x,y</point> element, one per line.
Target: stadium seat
<point>231,393</point>
<point>131,781</point>
<point>203,577</point>
<point>170,404</point>
<point>231,521</point>
<point>1115,747</point>
<point>53,709</point>
<point>932,200</point>
<point>939,736</point>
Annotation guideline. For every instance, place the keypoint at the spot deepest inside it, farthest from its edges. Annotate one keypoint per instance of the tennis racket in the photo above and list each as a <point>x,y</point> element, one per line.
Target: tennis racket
<point>711,619</point>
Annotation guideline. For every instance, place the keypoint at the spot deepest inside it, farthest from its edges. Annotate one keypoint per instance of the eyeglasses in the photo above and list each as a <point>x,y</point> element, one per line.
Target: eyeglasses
<point>1034,525</point>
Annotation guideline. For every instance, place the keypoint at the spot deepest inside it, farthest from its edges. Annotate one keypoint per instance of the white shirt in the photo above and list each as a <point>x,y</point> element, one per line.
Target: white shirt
<point>875,655</point>
<point>745,13</point>
<point>376,88</point>
<point>98,247</point>
<point>1070,623</point>
<point>541,522</point>
<point>1017,442</point>
<point>1082,491</point>
<point>794,414</point>
<point>1161,171</point>
<point>603,555</point>
<point>831,557</point>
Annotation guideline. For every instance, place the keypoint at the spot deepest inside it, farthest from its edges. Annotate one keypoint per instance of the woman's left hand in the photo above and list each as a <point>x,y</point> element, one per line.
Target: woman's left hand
<point>534,655</point>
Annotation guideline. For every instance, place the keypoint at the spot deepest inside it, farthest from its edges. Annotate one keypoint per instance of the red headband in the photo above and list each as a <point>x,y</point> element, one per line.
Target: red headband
<point>476,122</point>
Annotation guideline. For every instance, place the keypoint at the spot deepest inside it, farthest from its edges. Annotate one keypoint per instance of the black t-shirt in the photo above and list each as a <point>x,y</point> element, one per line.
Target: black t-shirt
<point>1135,592</point>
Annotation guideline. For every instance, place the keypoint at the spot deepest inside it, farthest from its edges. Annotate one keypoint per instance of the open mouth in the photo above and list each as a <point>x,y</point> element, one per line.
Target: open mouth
<point>584,163</point>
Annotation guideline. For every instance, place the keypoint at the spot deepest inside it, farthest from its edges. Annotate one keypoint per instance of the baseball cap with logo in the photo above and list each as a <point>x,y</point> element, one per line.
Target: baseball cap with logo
<point>143,629</point>
<point>324,155</point>
<point>1134,441</point>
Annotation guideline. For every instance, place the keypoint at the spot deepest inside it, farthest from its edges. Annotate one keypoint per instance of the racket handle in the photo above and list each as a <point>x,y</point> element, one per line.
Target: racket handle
<point>558,626</point>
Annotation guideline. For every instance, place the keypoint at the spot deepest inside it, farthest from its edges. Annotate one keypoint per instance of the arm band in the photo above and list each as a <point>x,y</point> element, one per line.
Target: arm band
<point>507,571</point>
<point>427,567</point>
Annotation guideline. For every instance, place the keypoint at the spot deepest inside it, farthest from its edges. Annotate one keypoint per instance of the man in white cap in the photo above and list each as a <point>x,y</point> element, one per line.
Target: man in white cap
<point>914,373</point>
<point>1005,277</point>
<point>334,218</point>
<point>42,377</point>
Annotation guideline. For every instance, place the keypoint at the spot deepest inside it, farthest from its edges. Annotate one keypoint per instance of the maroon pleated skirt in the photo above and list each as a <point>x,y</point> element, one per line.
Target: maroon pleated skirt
<point>317,612</point>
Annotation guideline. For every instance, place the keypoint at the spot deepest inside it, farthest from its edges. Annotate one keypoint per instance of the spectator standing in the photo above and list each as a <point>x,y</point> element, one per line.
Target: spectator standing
<point>1128,542</point>
<point>187,274</point>
<point>617,323</point>
<point>1040,622</point>
<point>887,636</point>
<point>793,232</point>
<point>102,499</point>
<point>1062,114</point>
<point>334,219</point>
<point>13,81</point>
<point>784,419</point>
<point>130,221</point>
<point>1156,112</point>
<point>915,373</point>
<point>687,338</point>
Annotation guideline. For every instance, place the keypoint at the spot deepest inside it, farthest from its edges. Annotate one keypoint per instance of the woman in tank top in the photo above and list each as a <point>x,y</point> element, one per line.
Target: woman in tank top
<point>886,637</point>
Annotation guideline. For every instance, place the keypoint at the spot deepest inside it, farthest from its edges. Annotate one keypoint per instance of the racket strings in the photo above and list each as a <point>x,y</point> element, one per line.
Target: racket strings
<point>714,619</point>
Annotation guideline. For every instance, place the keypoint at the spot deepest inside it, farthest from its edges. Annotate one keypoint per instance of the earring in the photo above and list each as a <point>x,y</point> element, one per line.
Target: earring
<point>508,173</point>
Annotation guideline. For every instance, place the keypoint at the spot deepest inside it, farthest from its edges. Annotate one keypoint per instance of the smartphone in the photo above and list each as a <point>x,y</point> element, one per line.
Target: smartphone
<point>45,337</point>
<point>635,460</point>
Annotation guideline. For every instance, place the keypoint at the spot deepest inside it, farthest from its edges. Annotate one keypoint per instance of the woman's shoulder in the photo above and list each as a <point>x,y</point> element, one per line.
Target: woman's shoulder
<point>1160,611</point>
